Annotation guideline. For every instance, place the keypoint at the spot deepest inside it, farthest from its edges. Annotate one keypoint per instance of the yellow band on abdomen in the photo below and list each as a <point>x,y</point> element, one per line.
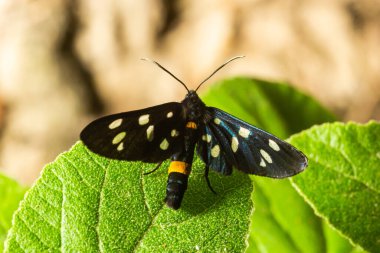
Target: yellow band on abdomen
<point>180,167</point>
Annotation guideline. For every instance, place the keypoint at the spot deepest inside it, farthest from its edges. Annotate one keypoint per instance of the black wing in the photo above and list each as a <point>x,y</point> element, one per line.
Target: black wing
<point>150,135</point>
<point>228,142</point>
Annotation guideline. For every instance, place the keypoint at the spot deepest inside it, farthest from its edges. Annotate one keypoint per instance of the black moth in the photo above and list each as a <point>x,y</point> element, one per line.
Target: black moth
<point>174,130</point>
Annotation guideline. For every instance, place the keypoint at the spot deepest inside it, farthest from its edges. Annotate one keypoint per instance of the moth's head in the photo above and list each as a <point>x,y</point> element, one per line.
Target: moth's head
<point>192,93</point>
<point>192,97</point>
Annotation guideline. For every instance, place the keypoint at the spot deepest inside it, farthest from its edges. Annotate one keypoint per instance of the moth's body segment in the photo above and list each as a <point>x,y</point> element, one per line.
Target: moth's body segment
<point>193,109</point>
<point>175,130</point>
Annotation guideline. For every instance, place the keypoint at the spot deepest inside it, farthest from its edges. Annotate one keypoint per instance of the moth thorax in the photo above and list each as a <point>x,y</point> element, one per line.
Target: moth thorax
<point>194,107</point>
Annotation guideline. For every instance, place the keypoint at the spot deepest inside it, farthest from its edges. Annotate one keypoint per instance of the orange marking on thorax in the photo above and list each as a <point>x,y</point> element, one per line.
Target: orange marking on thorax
<point>191,124</point>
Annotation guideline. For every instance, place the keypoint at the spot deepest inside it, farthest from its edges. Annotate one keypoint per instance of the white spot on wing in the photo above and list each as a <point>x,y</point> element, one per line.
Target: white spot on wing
<point>244,132</point>
<point>266,156</point>
<point>116,123</point>
<point>234,144</point>
<point>217,121</point>
<point>169,115</point>
<point>164,145</point>
<point>262,163</point>
<point>174,133</point>
<point>120,147</point>
<point>150,133</point>
<point>215,151</point>
<point>144,119</point>
<point>118,138</point>
<point>206,137</point>
<point>274,145</point>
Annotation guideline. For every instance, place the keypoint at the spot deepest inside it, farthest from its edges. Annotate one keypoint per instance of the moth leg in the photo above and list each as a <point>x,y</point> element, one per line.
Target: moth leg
<point>156,168</point>
<point>208,180</point>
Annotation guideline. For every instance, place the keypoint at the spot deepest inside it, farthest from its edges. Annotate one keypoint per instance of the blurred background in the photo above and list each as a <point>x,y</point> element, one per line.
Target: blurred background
<point>64,63</point>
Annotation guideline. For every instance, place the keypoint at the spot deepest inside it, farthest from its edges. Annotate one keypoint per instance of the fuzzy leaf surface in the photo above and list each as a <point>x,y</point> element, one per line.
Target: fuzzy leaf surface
<point>342,182</point>
<point>86,203</point>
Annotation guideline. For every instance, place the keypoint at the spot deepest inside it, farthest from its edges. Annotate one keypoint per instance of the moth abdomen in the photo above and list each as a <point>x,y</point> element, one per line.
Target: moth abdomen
<point>175,189</point>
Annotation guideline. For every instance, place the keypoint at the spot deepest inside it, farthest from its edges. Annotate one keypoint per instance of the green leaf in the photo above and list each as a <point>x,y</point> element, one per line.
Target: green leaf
<point>342,182</point>
<point>85,203</point>
<point>293,224</point>
<point>282,221</point>
<point>11,194</point>
<point>335,242</point>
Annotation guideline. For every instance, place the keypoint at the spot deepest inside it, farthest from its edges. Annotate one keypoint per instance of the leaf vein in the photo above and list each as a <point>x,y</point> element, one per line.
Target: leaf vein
<point>80,175</point>
<point>90,155</point>
<point>100,201</point>
<point>61,232</point>
<point>361,144</point>
<point>144,194</point>
<point>49,186</point>
<point>31,231</point>
<point>340,172</point>
<point>42,217</point>
<point>347,176</point>
<point>150,225</point>
<point>46,201</point>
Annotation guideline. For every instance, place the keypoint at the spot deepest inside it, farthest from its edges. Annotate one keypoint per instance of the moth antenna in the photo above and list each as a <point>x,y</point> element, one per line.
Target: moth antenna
<point>220,67</point>
<point>167,71</point>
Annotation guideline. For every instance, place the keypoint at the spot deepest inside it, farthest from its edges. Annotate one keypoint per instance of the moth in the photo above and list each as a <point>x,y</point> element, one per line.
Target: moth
<point>177,130</point>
